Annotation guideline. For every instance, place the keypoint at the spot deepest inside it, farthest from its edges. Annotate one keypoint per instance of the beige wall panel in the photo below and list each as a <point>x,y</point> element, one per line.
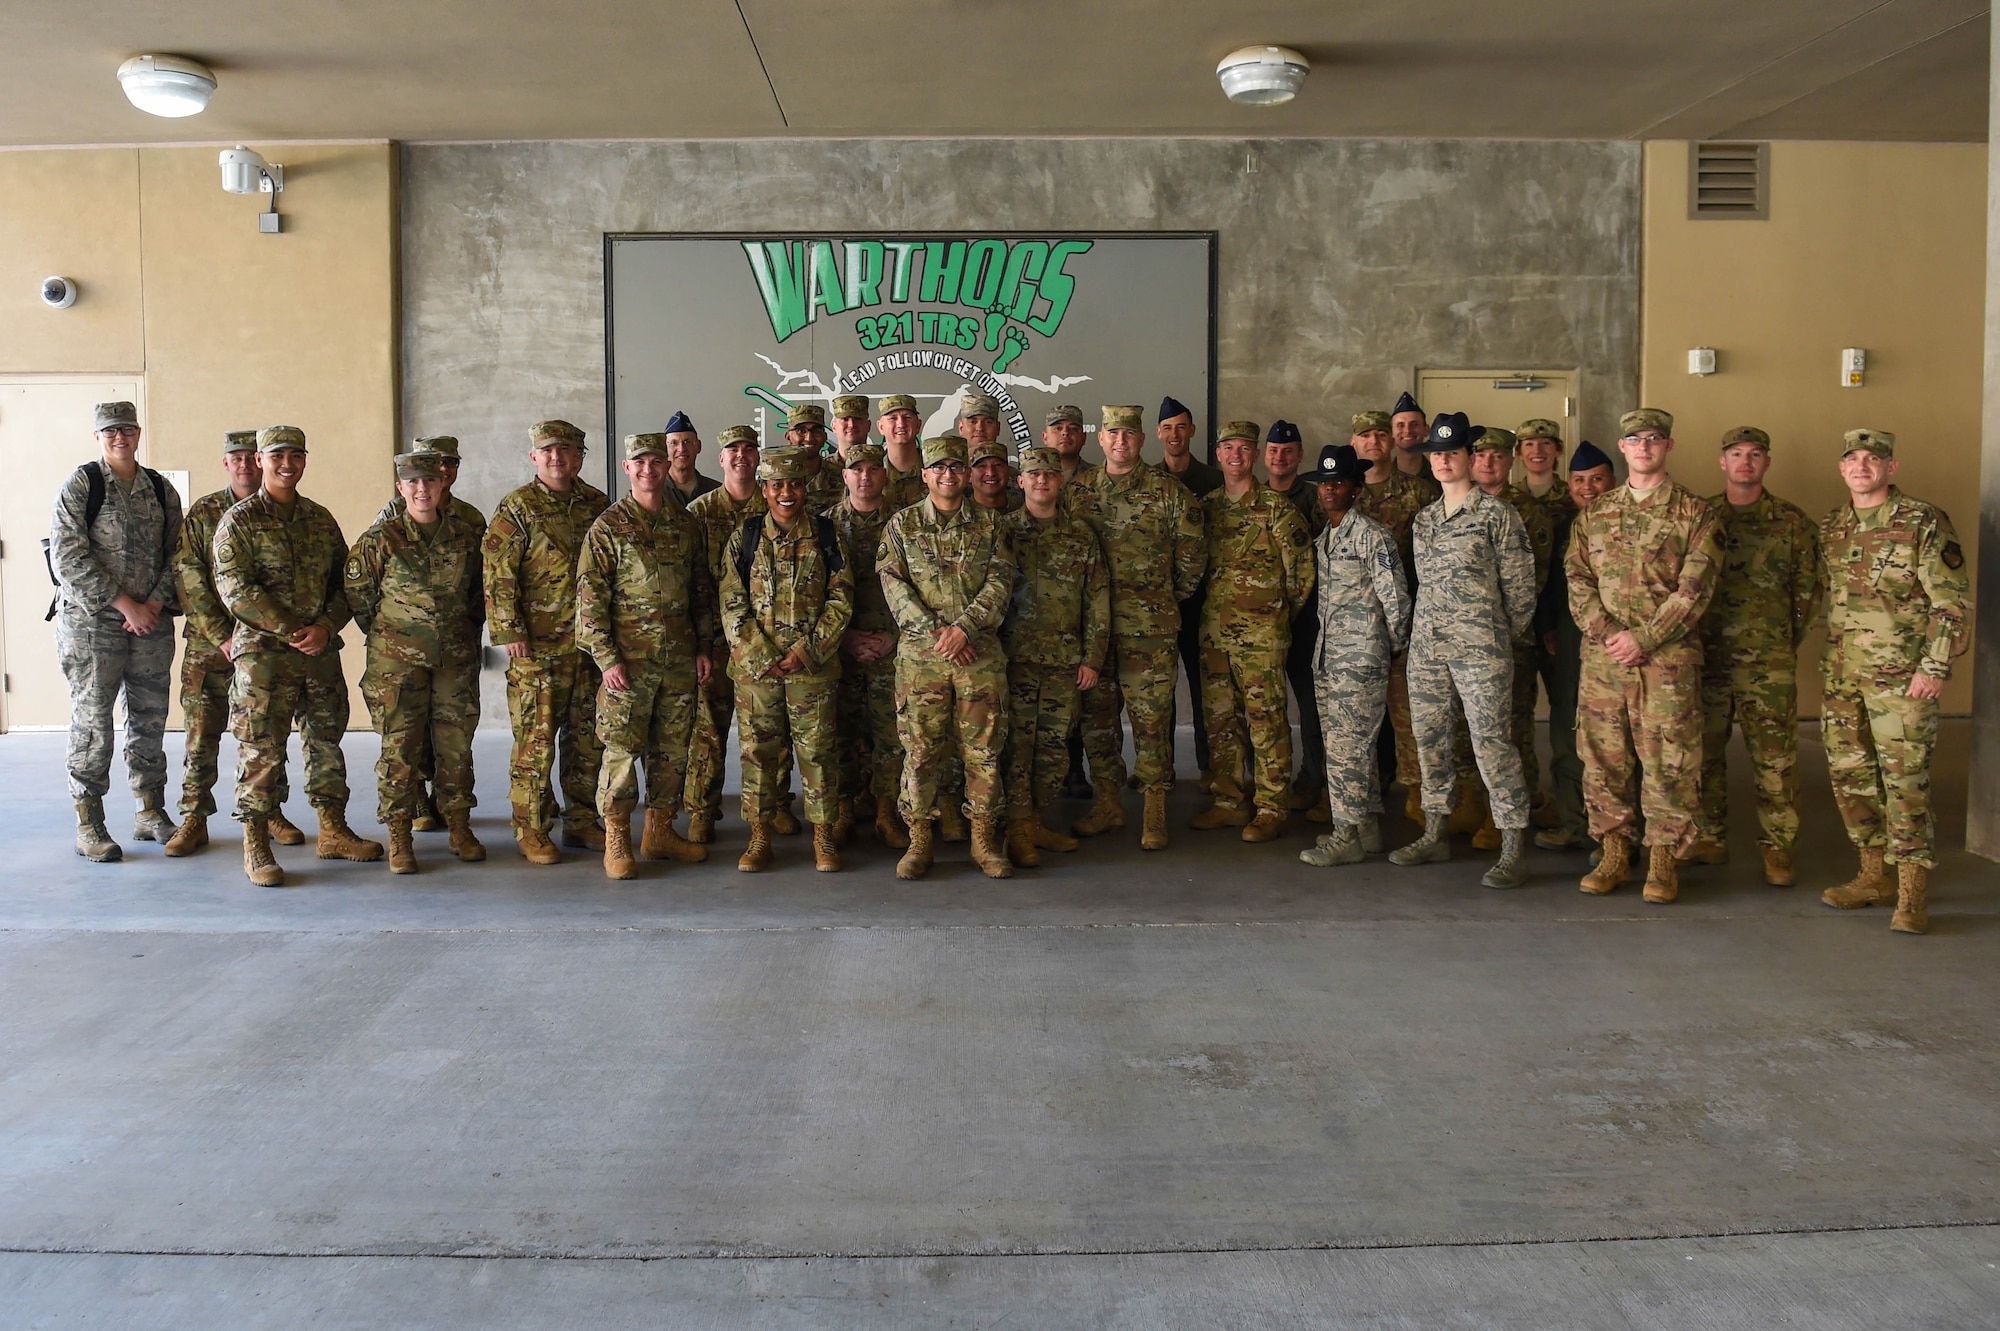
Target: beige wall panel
<point>1872,245</point>
<point>70,214</point>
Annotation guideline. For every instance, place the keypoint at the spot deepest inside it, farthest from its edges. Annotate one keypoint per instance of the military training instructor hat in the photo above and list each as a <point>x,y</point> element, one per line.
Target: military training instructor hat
<point>944,448</point>
<point>239,441</point>
<point>274,437</point>
<point>790,463</point>
<point>1879,442</point>
<point>115,413</point>
<point>1450,432</point>
<point>1337,462</point>
<point>638,445</point>
<point>1746,434</point>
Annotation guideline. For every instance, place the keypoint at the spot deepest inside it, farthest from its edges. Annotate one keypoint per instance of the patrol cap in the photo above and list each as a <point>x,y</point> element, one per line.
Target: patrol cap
<point>554,432</point>
<point>1283,432</point>
<point>850,407</point>
<point>1450,432</point>
<point>1493,439</point>
<point>1586,457</point>
<point>678,423</point>
<point>898,402</point>
<point>1171,407</point>
<point>1879,442</point>
<point>1074,415</point>
<point>411,466</point>
<point>977,404</point>
<point>1746,434</point>
<point>239,441</point>
<point>1405,403</point>
<point>788,463</point>
<point>1240,430</point>
<point>944,448</point>
<point>638,445</point>
<point>737,435</point>
<point>1538,427</point>
<point>992,448</point>
<point>115,413</point>
<point>1645,418</point>
<point>1338,462</point>
<point>806,415</point>
<point>1039,457</point>
<point>1364,421</point>
<point>1121,418</point>
<point>443,445</point>
<point>274,437</point>
<point>863,454</point>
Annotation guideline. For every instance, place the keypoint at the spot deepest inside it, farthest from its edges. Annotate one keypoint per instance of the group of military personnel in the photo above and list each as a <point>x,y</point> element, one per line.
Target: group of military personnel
<point>939,634</point>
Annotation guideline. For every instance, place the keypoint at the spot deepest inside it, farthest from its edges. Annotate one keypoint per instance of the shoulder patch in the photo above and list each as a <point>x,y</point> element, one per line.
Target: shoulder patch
<point>1954,558</point>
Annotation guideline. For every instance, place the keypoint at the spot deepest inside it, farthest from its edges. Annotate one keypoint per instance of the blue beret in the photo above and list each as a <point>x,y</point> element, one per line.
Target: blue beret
<point>1171,407</point>
<point>679,423</point>
<point>1450,432</point>
<point>1405,403</point>
<point>1587,455</point>
<point>1283,432</point>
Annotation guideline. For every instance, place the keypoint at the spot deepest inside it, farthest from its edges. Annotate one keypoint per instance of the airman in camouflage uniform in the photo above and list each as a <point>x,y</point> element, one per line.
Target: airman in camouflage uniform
<point>786,601</point>
<point>903,450</point>
<point>1539,445</point>
<point>684,482</point>
<point>114,626</point>
<point>805,429</point>
<point>1492,463</point>
<point>205,669</point>
<point>1409,429</point>
<point>1475,600</point>
<point>414,585</point>
<point>1642,564</point>
<point>1056,634</point>
<point>279,559</point>
<point>1766,597</point>
<point>947,569</point>
<point>1174,428</point>
<point>1561,641</point>
<point>530,570</point>
<point>1260,574</point>
<point>1151,531</point>
<point>1364,617</point>
<point>871,757</point>
<point>1393,498</point>
<point>1897,597</point>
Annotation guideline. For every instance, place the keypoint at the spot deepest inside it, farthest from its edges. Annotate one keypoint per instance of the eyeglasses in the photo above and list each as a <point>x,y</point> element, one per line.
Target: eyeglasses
<point>122,431</point>
<point>1647,438</point>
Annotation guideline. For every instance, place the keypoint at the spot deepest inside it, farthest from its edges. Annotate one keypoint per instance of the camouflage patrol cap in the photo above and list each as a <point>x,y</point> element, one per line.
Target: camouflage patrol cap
<point>1879,442</point>
<point>1250,430</point>
<point>274,437</point>
<point>239,441</point>
<point>806,415</point>
<point>1364,421</point>
<point>944,448</point>
<point>1039,457</point>
<point>442,444</point>
<point>789,463</point>
<point>1645,418</point>
<point>863,454</point>
<point>1538,427</point>
<point>1746,434</point>
<point>1493,439</point>
<point>115,413</point>
<point>977,404</point>
<point>992,448</point>
<point>639,445</point>
<point>412,466</point>
<point>555,432</point>
<point>850,407</point>
<point>1122,418</point>
<point>1074,415</point>
<point>735,435</point>
<point>898,402</point>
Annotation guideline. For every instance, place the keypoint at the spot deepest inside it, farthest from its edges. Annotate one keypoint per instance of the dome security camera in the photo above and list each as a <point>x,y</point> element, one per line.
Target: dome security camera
<point>59,293</point>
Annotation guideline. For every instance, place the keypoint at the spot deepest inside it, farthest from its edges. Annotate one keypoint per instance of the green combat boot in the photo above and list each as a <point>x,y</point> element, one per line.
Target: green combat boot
<point>1340,846</point>
<point>1433,847</point>
<point>1510,870</point>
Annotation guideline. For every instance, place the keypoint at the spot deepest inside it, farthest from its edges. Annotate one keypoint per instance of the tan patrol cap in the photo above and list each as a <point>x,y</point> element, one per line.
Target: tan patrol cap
<point>1364,421</point>
<point>274,437</point>
<point>788,463</point>
<point>898,402</point>
<point>638,445</point>
<point>1122,418</point>
<point>1879,442</point>
<point>1645,418</point>
<point>850,407</point>
<point>992,448</point>
<point>1074,415</point>
<point>1039,457</point>
<point>977,404</point>
<point>1250,430</point>
<point>805,415</point>
<point>442,444</point>
<point>736,435</point>
<point>1746,434</point>
<point>944,448</point>
<point>863,454</point>
<point>1493,439</point>
<point>557,432</point>
<point>115,413</point>
<point>1538,427</point>
<point>239,441</point>
<point>428,466</point>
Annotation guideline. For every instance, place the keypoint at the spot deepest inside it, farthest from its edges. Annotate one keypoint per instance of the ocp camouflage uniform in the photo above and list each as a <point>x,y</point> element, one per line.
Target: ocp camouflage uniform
<point>1644,564</point>
<point>1475,599</point>
<point>125,552</point>
<point>530,557</point>
<point>278,573</point>
<point>871,757</point>
<point>1561,672</point>
<point>1541,529</point>
<point>940,570</point>
<point>644,601</point>
<point>1896,606</point>
<point>1260,578</point>
<point>1766,597</point>
<point>1364,619</point>
<point>719,516</point>
<point>418,595</point>
<point>1150,528</point>
<point>795,596</point>
<point>1059,620</point>
<point>205,672</point>
<point>1394,504</point>
<point>825,488</point>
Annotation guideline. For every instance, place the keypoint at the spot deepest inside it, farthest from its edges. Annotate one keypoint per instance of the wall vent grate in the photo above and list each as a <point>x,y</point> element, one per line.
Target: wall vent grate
<point>1729,180</point>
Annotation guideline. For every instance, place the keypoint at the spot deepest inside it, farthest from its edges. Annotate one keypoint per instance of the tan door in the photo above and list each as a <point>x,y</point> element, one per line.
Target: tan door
<point>44,435</point>
<point>1503,397</point>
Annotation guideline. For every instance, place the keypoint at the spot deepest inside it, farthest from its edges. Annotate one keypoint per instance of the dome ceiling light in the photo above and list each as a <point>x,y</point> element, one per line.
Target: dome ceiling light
<point>166,85</point>
<point>1263,75</point>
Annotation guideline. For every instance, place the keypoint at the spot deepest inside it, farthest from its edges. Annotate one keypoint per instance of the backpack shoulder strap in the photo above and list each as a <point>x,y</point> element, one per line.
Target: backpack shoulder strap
<point>160,497</point>
<point>828,537</point>
<point>93,502</point>
<point>746,552</point>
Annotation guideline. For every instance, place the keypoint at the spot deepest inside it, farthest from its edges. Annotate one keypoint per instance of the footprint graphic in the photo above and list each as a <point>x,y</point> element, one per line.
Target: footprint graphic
<point>995,321</point>
<point>1017,342</point>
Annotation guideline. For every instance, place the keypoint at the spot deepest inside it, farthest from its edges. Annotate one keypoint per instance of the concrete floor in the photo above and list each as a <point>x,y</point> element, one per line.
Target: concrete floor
<point>1213,1088</point>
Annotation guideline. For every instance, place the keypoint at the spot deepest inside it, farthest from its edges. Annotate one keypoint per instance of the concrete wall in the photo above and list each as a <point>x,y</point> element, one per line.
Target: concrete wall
<point>1840,263</point>
<point>1344,265</point>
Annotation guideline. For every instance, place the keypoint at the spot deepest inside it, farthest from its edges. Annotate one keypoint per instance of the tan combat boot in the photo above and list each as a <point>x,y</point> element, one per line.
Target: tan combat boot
<point>93,839</point>
<point>1912,886</point>
<point>1266,825</point>
<point>337,841</point>
<point>1614,866</point>
<point>583,836</point>
<point>151,824</point>
<point>618,861</point>
<point>536,848</point>
<point>826,848</point>
<point>660,841</point>
<point>1321,812</point>
<point>1433,847</point>
<point>1107,815</point>
<point>284,831</point>
<point>1663,875</point>
<point>757,855</point>
<point>1471,812</point>
<point>189,837</point>
<point>1021,847</point>
<point>986,849</point>
<point>426,818</point>
<point>952,824</point>
<point>889,829</point>
<point>1488,836</point>
<point>463,843</point>
<point>1221,815</point>
<point>258,865</point>
<point>843,822</point>
<point>1046,837</point>
<point>784,822</point>
<point>1778,868</point>
<point>1413,802</point>
<point>402,847</point>
<point>1870,887</point>
<point>916,861</point>
<point>1706,851</point>
<point>701,826</point>
<point>1153,831</point>
<point>1544,816</point>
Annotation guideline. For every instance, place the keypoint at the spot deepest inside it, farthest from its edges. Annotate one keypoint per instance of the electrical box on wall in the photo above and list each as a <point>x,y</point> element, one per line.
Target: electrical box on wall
<point>1853,362</point>
<point>1701,360</point>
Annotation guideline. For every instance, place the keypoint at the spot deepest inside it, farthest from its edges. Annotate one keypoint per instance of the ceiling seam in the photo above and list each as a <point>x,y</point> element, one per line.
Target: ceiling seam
<point>1909,46</point>
<point>778,101</point>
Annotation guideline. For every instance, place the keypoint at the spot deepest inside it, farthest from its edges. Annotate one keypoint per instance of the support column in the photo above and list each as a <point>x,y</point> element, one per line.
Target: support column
<point>1982,811</point>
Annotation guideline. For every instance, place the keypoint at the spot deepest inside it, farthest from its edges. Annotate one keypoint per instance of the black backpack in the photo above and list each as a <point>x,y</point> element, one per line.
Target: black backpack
<point>824,533</point>
<point>93,504</point>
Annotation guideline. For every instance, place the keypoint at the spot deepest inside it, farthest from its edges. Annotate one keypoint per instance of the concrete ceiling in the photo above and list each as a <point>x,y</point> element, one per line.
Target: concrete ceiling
<point>604,69</point>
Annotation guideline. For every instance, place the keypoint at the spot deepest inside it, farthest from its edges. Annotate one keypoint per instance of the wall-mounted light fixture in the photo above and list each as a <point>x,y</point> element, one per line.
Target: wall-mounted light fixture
<point>166,85</point>
<point>246,172</point>
<point>1262,75</point>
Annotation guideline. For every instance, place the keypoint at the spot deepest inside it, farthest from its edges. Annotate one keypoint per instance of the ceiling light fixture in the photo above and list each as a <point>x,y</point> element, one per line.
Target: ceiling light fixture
<point>1263,75</point>
<point>166,85</point>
